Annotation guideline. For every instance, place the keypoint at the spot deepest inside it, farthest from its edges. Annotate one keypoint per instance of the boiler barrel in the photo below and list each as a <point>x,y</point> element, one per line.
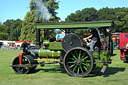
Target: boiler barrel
<point>49,54</point>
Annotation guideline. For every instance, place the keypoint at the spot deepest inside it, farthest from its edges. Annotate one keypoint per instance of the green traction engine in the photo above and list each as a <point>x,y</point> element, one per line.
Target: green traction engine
<point>71,52</point>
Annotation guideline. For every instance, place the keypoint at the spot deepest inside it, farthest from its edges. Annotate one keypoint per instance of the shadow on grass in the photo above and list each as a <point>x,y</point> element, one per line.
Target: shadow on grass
<point>96,72</point>
<point>109,71</point>
<point>51,70</point>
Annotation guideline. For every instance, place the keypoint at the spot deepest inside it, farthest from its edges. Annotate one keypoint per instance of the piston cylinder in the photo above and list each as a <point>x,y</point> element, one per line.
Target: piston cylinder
<point>43,53</point>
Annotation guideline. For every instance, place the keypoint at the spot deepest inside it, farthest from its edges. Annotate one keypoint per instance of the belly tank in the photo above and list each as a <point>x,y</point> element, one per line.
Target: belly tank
<point>43,53</point>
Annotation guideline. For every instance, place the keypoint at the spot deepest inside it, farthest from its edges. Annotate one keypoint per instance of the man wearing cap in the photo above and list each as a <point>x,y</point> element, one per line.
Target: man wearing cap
<point>95,40</point>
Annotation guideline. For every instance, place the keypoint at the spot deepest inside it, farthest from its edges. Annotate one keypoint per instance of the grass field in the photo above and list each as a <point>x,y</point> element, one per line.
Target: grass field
<point>116,73</point>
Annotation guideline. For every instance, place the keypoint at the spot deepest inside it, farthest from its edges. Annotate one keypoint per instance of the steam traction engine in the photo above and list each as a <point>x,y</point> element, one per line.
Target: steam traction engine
<point>77,60</point>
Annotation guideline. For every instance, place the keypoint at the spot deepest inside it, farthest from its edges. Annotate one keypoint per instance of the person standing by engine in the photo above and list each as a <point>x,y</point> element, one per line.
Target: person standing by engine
<point>95,40</point>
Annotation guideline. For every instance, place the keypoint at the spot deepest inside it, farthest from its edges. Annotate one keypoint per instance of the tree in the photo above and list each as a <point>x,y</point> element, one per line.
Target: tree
<point>121,20</point>
<point>28,31</point>
<point>28,27</point>
<point>3,32</point>
<point>87,14</point>
<point>53,6</point>
<point>106,14</point>
<point>71,18</point>
<point>8,23</point>
<point>15,30</point>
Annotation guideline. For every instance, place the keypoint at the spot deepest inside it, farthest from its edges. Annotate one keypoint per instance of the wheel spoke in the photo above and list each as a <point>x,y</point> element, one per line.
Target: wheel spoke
<point>70,62</point>
<point>74,68</point>
<point>19,69</point>
<point>87,61</point>
<point>81,69</point>
<point>78,70</point>
<point>85,68</point>
<point>87,65</point>
<point>74,56</point>
<point>79,54</point>
<point>76,53</point>
<point>83,56</point>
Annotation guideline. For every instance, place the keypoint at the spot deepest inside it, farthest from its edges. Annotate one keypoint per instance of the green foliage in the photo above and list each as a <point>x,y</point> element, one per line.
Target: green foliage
<point>28,27</point>
<point>3,32</point>
<point>9,23</point>
<point>87,14</point>
<point>106,14</point>
<point>121,20</point>
<point>52,7</point>
<point>14,29</point>
<point>118,15</point>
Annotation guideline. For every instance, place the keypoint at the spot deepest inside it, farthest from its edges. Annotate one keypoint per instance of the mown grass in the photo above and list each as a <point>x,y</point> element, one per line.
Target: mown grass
<point>116,73</point>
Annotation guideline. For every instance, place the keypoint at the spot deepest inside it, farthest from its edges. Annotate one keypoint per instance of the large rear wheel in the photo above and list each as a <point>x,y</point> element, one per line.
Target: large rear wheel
<point>78,62</point>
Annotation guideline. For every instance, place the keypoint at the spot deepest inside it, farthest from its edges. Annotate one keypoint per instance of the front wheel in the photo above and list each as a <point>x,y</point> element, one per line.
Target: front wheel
<point>78,62</point>
<point>26,60</point>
